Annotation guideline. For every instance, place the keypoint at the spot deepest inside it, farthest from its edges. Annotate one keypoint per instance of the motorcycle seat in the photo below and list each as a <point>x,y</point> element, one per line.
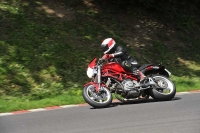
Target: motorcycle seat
<point>144,66</point>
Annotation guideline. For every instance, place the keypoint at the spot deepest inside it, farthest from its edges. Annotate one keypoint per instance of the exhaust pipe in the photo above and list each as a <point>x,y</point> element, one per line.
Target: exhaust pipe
<point>144,86</point>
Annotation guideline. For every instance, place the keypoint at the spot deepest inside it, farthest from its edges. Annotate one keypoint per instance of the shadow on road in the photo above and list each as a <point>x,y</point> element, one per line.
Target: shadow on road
<point>116,103</point>
<point>139,101</point>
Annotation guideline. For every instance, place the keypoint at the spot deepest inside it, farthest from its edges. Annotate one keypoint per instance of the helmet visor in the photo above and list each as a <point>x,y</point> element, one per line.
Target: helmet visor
<point>104,47</point>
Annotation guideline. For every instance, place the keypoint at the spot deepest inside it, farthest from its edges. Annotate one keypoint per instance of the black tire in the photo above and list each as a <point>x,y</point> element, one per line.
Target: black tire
<point>158,93</point>
<point>88,95</point>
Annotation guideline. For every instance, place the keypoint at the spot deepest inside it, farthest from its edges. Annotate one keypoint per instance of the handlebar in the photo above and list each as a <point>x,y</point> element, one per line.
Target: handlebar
<point>100,61</point>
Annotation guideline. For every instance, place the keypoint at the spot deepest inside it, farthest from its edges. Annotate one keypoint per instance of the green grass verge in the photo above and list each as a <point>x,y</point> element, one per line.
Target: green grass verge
<point>186,83</point>
<point>8,104</point>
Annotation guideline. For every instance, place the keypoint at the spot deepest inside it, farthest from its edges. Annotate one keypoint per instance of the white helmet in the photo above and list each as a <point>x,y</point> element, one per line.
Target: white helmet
<point>107,45</point>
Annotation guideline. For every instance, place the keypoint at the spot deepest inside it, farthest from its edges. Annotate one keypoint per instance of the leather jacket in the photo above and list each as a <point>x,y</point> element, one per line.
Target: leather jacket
<point>120,54</point>
<point>124,58</point>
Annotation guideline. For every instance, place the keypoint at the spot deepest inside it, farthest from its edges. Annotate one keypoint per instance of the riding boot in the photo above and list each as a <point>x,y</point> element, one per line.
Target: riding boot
<point>140,75</point>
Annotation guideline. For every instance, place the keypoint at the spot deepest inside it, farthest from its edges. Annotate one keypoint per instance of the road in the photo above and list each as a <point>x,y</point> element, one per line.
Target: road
<point>181,115</point>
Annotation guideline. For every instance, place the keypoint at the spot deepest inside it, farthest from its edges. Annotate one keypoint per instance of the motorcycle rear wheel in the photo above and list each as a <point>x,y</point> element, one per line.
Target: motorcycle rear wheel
<point>101,99</point>
<point>164,90</point>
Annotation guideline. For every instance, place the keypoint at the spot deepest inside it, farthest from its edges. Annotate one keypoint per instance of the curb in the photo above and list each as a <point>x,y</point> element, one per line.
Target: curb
<point>70,106</point>
<point>41,109</point>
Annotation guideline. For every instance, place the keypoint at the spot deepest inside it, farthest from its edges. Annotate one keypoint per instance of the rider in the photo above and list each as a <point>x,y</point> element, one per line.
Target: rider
<point>120,55</point>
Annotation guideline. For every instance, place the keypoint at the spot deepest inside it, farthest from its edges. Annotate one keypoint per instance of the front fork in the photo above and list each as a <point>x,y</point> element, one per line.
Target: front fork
<point>97,83</point>
<point>99,77</point>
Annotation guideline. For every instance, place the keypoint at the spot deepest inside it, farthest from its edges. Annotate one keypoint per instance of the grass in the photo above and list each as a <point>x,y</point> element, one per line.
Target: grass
<point>184,84</point>
<point>8,104</point>
<point>45,47</point>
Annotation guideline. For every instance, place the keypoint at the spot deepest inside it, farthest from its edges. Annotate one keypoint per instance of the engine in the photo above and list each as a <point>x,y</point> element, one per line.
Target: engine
<point>129,84</point>
<point>130,88</point>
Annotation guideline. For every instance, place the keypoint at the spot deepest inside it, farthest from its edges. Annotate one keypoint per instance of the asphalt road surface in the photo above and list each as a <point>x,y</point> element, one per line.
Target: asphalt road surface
<point>181,115</point>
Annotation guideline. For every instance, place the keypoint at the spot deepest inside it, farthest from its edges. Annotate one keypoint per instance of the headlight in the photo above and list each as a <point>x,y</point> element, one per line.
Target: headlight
<point>90,72</point>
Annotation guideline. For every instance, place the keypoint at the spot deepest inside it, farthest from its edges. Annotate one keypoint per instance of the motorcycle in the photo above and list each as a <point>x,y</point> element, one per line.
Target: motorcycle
<point>111,77</point>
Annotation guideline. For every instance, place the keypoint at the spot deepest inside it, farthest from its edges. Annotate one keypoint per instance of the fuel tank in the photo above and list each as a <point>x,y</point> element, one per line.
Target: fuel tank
<point>114,66</point>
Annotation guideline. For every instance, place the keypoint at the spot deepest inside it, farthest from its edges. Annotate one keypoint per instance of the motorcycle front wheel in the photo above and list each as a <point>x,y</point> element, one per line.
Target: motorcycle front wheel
<point>101,99</point>
<point>163,90</point>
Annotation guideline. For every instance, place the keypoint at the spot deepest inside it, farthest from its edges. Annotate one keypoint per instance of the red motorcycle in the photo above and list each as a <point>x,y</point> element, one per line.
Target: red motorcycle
<point>110,77</point>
